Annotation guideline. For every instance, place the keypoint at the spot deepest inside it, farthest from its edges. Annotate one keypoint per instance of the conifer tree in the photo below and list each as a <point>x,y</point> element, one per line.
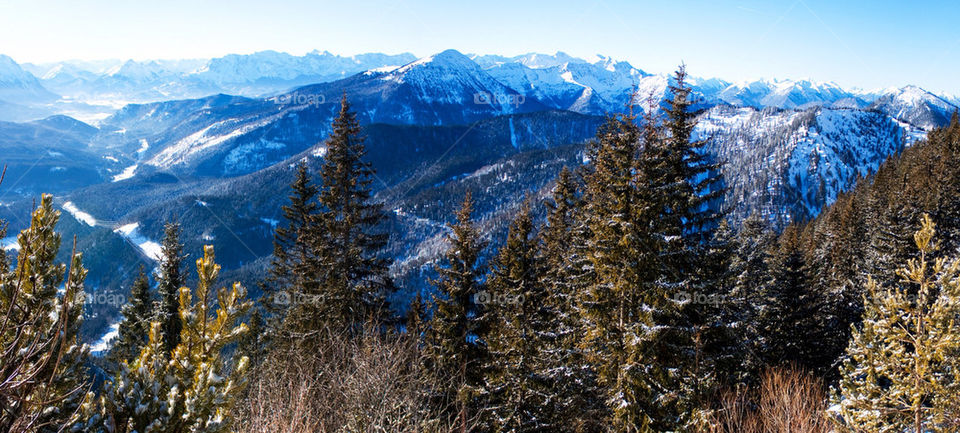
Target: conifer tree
<point>137,316</point>
<point>750,276</point>
<point>191,389</point>
<point>900,373</point>
<point>294,267</point>
<point>574,403</point>
<point>454,347</point>
<point>788,319</point>
<point>42,368</point>
<point>416,317</point>
<point>518,392</point>
<point>352,281</point>
<point>622,252</point>
<point>169,281</point>
<point>255,342</point>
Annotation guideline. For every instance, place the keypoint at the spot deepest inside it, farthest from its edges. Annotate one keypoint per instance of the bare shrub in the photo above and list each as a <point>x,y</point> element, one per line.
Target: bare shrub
<point>370,383</point>
<point>787,401</point>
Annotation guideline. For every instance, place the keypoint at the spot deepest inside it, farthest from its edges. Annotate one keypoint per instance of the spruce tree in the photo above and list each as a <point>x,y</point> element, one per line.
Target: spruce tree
<point>900,373</point>
<point>574,404</point>
<point>352,281</point>
<point>135,327</point>
<point>622,253</point>
<point>750,277</point>
<point>788,317</point>
<point>294,268</point>
<point>169,281</point>
<point>518,391</point>
<point>416,317</point>
<point>454,348</point>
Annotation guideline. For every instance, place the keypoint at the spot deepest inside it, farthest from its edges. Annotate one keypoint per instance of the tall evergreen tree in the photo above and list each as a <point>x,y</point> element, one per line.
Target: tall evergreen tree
<point>294,267</point>
<point>519,392</point>
<point>574,403</point>
<point>352,281</point>
<point>788,319</point>
<point>454,348</point>
<point>169,281</point>
<point>622,252</point>
<point>137,315</point>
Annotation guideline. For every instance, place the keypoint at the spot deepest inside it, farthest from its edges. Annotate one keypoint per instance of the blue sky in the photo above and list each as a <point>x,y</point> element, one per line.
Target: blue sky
<point>865,44</point>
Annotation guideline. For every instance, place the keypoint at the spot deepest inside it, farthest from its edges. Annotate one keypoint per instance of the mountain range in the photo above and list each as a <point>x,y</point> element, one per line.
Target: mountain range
<point>212,144</point>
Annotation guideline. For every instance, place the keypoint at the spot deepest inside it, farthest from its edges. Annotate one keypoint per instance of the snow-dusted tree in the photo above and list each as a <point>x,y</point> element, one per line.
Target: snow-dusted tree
<point>575,401</point>
<point>191,389</point>
<point>455,355</point>
<point>41,367</point>
<point>169,281</point>
<point>901,369</point>
<point>135,327</point>
<point>294,268</point>
<point>344,241</point>
<point>518,393</point>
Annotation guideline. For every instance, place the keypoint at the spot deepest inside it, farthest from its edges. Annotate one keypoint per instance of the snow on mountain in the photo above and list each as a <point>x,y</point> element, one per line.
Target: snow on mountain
<point>566,82</point>
<point>79,215</point>
<point>19,86</point>
<point>916,107</point>
<point>792,163</point>
<point>786,94</point>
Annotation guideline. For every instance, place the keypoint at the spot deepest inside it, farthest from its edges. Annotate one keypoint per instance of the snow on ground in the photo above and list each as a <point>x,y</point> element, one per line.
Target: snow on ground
<point>150,248</point>
<point>103,344</point>
<point>79,214</point>
<point>127,173</point>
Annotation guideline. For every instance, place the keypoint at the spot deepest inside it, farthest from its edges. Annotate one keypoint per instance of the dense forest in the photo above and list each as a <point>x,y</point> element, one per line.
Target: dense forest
<point>626,302</point>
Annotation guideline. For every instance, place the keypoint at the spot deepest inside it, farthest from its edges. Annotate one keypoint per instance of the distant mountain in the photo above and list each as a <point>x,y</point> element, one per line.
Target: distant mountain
<point>915,106</point>
<point>19,87</point>
<point>258,74</point>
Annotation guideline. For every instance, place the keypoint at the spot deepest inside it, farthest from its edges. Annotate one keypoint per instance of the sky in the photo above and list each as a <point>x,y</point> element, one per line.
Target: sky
<point>854,43</point>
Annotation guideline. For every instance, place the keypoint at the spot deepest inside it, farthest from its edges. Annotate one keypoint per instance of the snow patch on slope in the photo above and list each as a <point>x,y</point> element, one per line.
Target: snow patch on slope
<point>79,215</point>
<point>149,248</point>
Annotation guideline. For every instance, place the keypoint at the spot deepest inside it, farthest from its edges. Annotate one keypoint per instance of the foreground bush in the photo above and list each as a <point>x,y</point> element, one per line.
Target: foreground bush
<point>787,401</point>
<point>371,383</point>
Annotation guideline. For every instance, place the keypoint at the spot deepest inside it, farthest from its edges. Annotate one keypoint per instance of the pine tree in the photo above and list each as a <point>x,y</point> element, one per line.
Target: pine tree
<point>169,281</point>
<point>788,318</point>
<point>574,399</point>
<point>900,373</point>
<point>416,317</point>
<point>518,393</point>
<point>352,281</point>
<point>135,327</point>
<point>294,269</point>
<point>454,348</point>
<point>191,389</point>
<point>689,199</point>
<point>750,277</point>
<point>622,253</point>
<point>42,368</point>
